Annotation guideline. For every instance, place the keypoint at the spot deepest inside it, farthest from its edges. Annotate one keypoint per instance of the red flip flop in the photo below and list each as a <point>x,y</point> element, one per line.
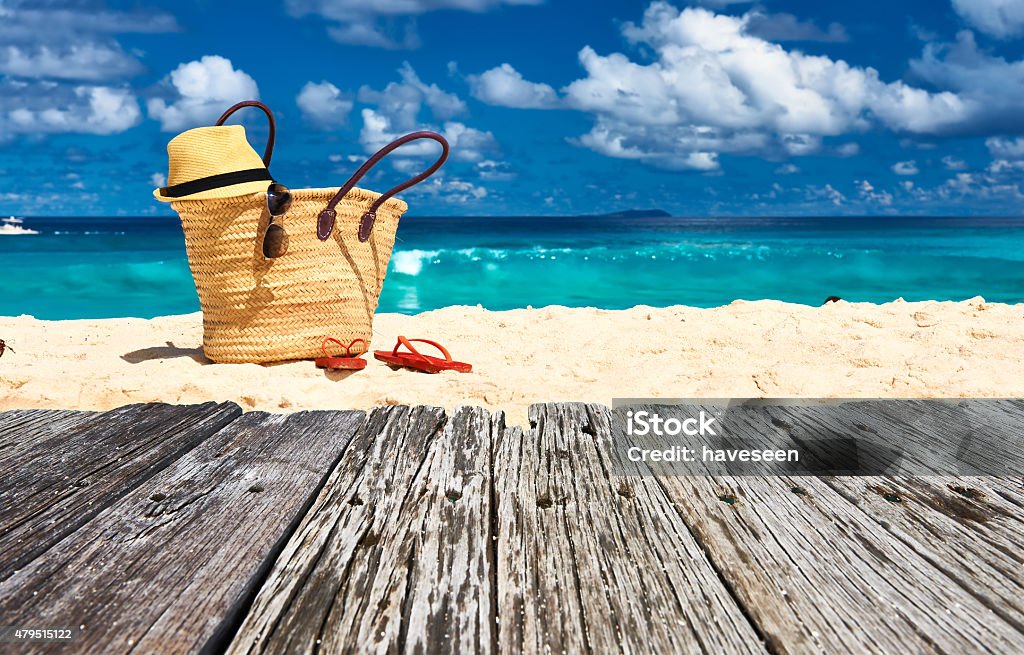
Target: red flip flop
<point>414,359</point>
<point>349,362</point>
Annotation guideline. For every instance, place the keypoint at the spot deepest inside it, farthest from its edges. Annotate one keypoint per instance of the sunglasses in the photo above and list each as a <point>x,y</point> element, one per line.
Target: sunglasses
<point>275,239</point>
<point>3,347</point>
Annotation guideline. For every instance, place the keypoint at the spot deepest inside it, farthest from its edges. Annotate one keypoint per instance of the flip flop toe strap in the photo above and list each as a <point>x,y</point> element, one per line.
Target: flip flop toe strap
<point>348,348</point>
<point>402,341</point>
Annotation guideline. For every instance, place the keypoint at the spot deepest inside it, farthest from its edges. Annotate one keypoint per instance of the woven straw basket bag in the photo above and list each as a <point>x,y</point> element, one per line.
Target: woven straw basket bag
<point>259,308</point>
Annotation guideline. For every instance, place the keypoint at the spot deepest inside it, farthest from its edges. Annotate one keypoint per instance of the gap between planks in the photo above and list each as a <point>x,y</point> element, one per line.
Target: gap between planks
<point>563,574</point>
<point>553,467</point>
<point>460,535</point>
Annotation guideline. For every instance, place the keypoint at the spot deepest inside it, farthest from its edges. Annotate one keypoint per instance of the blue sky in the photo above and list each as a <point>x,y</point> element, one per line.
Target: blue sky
<point>718,107</point>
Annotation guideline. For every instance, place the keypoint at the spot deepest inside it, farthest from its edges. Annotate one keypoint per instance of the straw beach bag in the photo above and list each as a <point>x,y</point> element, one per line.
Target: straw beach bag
<point>328,280</point>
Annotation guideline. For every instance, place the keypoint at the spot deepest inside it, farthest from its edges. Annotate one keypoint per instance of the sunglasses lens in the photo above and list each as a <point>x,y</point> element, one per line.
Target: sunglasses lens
<point>275,241</point>
<point>279,199</point>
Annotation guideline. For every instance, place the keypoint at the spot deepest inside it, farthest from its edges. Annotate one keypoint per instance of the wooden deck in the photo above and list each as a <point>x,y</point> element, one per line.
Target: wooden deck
<point>158,528</point>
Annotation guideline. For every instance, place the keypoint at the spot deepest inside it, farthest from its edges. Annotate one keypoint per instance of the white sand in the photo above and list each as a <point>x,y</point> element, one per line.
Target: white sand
<point>746,349</point>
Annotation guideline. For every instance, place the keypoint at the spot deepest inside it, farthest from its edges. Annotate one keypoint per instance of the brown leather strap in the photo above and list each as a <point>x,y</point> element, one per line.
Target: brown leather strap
<point>269,152</point>
<point>325,222</point>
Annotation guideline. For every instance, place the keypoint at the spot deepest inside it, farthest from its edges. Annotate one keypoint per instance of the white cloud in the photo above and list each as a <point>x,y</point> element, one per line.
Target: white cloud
<point>401,102</point>
<point>77,61</point>
<point>399,108</point>
<point>999,18</point>
<point>869,193</point>
<point>324,105</point>
<point>377,133</point>
<point>384,23</point>
<point>800,144</point>
<point>962,184</point>
<point>111,110</point>
<point>700,161</point>
<point>1000,166</point>
<point>32,21</point>
<point>504,86</point>
<point>999,182</point>
<point>1004,148</point>
<point>462,189</point>
<point>201,91</point>
<point>453,190</point>
<point>991,89</point>
<point>71,40</point>
<point>158,180</point>
<point>408,166</point>
<point>713,87</point>
<point>495,171</point>
<point>851,149</point>
<point>53,109</point>
<point>905,168</point>
<point>684,146</point>
<point>828,192</point>
<point>62,64</point>
<point>787,169</point>
<point>787,27</point>
<point>467,143</point>
<point>954,163</point>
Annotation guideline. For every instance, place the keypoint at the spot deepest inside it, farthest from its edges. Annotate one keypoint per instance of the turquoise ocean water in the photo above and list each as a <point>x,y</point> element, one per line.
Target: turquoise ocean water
<point>114,267</point>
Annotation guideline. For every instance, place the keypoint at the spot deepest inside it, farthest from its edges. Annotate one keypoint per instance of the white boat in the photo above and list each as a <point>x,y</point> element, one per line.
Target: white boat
<point>12,226</point>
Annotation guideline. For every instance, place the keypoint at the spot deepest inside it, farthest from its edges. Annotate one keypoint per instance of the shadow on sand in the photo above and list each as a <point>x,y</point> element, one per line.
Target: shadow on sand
<point>170,351</point>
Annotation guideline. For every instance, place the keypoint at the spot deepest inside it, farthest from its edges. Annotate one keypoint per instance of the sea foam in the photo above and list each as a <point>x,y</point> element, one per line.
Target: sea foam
<point>410,262</point>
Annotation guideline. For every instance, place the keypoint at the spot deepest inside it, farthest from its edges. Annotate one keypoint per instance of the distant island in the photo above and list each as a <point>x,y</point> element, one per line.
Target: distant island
<point>633,213</point>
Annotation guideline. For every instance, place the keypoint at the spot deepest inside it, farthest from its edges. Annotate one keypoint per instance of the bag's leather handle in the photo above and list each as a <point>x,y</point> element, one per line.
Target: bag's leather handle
<point>325,222</point>
<point>269,152</point>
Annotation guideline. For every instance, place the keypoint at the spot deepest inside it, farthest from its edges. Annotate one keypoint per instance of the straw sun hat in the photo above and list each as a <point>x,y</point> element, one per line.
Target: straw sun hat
<point>212,162</point>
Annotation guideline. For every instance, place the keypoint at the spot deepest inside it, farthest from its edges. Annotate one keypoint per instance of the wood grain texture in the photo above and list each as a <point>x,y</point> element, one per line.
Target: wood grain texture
<point>963,526</point>
<point>819,574</point>
<point>172,565</point>
<point>930,432</point>
<point>395,554</point>
<point>960,526</point>
<point>74,466</point>
<point>1003,420</point>
<point>21,429</point>
<point>411,531</point>
<point>591,563</point>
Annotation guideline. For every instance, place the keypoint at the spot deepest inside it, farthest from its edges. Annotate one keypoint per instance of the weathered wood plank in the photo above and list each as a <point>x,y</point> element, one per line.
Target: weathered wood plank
<point>818,574</point>
<point>65,478</point>
<point>395,555</point>
<point>450,596</point>
<point>928,431</point>
<point>21,429</point>
<point>1003,421</point>
<point>959,525</point>
<point>963,526</point>
<point>592,563</point>
<point>172,565</point>
<point>459,535</point>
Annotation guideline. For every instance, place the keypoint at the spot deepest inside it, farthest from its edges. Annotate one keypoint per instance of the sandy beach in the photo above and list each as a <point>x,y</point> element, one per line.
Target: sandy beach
<point>745,349</point>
